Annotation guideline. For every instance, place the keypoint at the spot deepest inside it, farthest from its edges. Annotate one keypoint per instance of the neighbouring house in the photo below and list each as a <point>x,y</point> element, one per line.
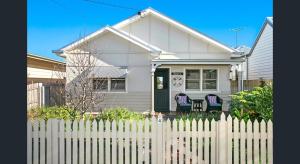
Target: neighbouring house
<point>145,60</point>
<point>44,77</point>
<point>258,65</point>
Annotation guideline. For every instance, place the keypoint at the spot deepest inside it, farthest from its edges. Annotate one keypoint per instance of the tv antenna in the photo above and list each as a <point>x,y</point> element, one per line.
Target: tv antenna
<point>236,30</point>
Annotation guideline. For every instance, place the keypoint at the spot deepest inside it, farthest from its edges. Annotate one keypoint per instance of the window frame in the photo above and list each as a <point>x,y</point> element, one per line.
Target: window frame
<point>110,89</point>
<point>185,79</point>
<point>109,86</point>
<point>217,77</point>
<point>201,79</point>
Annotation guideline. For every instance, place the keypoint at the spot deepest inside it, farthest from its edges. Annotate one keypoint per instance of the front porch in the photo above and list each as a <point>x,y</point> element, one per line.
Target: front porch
<point>195,78</point>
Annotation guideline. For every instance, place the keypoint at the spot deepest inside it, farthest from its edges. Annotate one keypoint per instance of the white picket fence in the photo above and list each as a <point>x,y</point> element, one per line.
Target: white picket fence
<point>151,141</point>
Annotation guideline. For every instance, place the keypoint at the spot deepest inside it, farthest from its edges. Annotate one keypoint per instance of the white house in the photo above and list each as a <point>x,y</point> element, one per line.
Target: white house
<point>151,58</point>
<point>260,58</point>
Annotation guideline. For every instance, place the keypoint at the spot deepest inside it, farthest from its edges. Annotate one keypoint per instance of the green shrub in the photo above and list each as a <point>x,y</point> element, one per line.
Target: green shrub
<point>119,113</point>
<point>46,113</point>
<point>254,104</point>
<point>65,113</point>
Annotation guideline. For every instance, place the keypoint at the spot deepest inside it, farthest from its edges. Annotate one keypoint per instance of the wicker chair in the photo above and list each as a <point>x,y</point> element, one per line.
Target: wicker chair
<point>213,107</point>
<point>183,107</point>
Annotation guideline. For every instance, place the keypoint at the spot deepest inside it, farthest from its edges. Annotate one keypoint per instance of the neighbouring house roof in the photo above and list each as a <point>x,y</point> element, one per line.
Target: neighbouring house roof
<point>268,21</point>
<point>191,31</point>
<point>137,41</point>
<point>109,72</point>
<point>140,42</point>
<point>37,57</point>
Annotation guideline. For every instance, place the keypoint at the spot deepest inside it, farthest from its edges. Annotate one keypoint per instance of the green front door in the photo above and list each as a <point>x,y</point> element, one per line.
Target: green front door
<point>161,90</point>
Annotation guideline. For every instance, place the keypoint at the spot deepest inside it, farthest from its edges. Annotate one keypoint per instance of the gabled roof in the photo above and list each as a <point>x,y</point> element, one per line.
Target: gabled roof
<point>268,21</point>
<point>193,32</point>
<point>121,34</point>
<point>138,41</point>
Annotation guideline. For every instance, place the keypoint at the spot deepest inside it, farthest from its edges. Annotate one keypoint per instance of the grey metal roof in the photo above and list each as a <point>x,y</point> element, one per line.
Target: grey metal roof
<point>109,72</point>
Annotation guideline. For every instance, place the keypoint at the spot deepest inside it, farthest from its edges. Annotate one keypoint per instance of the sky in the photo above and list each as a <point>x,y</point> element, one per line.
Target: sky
<point>52,24</point>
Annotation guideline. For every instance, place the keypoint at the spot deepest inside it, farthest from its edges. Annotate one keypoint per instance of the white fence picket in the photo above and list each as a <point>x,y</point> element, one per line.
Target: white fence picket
<point>68,142</point>
<point>181,144</point>
<point>256,142</point>
<point>168,140</point>
<point>49,144</point>
<point>146,136</point>
<point>133,142</point>
<point>88,142</point>
<point>229,139</point>
<point>54,141</point>
<point>94,142</point>
<point>206,141</point>
<point>114,142</point>
<point>194,141</point>
<point>187,141</point>
<point>263,137</point>
<point>127,142</point>
<point>243,141</point>
<point>75,142</point>
<point>153,140</point>
<point>107,141</point>
<point>200,142</point>
<point>213,141</point>
<point>35,142</point>
<point>270,142</point>
<point>29,142</point>
<point>81,141</point>
<point>236,140</point>
<point>121,142</point>
<point>249,142</point>
<point>140,142</point>
<point>101,143</point>
<point>174,141</point>
<point>61,141</point>
<point>42,142</point>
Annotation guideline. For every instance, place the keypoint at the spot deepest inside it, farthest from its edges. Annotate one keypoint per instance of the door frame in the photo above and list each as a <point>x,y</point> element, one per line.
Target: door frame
<point>170,96</point>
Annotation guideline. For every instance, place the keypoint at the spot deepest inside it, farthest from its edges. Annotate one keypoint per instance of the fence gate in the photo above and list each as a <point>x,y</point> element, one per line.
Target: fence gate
<point>149,141</point>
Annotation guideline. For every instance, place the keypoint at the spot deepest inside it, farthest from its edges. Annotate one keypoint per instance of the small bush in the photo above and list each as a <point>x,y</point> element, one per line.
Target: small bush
<point>119,113</point>
<point>254,104</point>
<point>65,113</point>
<point>46,113</point>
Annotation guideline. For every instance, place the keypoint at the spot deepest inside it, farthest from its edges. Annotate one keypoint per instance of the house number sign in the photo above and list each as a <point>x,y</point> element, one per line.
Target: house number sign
<point>177,79</point>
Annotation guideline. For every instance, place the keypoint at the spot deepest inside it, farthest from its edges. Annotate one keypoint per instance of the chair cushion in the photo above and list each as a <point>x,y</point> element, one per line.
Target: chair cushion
<point>212,99</point>
<point>182,100</point>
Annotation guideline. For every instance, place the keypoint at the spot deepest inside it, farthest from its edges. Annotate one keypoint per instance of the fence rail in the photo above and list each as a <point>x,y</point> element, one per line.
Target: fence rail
<point>149,141</point>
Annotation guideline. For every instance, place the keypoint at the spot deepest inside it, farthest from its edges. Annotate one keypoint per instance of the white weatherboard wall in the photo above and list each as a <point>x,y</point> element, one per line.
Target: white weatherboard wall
<point>261,60</point>
<point>223,83</point>
<point>170,38</point>
<point>115,51</point>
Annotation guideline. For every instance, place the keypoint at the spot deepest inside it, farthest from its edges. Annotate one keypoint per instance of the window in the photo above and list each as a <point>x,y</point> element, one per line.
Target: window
<point>209,79</point>
<point>192,80</point>
<point>117,85</point>
<point>100,84</point>
<point>109,85</point>
<point>160,82</point>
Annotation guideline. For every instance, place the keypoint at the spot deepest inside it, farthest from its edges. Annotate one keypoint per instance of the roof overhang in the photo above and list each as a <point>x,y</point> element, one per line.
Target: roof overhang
<point>198,61</point>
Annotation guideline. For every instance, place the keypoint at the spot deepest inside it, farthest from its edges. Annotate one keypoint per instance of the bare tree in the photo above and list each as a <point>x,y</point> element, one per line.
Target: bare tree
<point>83,90</point>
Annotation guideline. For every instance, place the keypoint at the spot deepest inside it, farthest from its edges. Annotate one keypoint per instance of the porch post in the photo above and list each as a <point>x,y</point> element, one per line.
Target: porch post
<point>152,91</point>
